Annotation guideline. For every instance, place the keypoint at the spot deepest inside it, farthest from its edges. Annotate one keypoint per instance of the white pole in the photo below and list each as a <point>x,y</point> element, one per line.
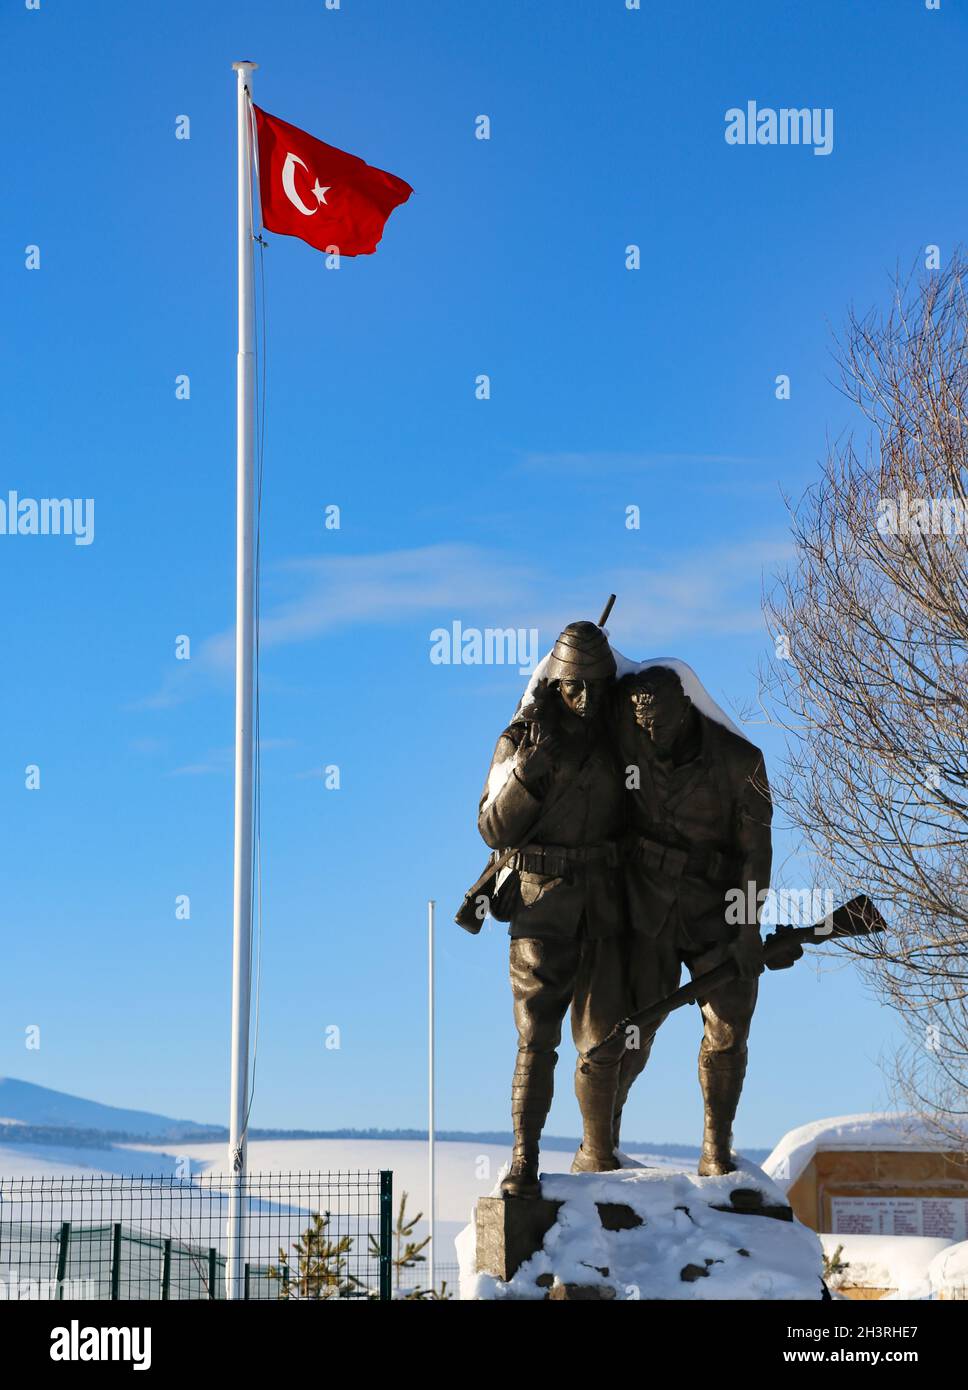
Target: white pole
<point>244,595</point>
<point>432,1204</point>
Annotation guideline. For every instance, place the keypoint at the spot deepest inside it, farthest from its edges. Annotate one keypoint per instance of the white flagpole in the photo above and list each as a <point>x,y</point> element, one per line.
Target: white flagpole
<point>432,1204</point>
<point>244,596</point>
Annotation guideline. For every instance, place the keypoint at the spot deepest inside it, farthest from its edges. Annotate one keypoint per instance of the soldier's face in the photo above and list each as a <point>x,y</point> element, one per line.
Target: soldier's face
<point>659,714</point>
<point>583,698</point>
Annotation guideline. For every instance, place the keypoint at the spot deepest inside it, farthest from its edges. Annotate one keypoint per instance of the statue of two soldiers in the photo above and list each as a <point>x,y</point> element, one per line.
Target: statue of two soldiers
<point>634,814</point>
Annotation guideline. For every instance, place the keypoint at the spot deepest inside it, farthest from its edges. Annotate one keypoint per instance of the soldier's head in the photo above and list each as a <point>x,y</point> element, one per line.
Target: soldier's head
<point>581,669</point>
<point>660,706</point>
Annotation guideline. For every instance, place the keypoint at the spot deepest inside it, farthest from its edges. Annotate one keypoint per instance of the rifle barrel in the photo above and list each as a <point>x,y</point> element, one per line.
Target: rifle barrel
<point>606,610</point>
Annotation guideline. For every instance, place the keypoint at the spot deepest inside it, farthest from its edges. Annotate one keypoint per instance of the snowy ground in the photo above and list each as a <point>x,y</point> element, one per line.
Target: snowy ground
<point>902,1263</point>
<point>55,1160</point>
<point>464,1171</point>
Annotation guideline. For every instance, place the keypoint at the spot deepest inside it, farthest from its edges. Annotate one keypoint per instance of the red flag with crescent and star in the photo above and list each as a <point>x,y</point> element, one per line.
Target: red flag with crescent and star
<point>311,190</point>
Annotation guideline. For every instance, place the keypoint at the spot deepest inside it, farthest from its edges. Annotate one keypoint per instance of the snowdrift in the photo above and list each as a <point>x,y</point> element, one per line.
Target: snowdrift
<point>679,1242</point>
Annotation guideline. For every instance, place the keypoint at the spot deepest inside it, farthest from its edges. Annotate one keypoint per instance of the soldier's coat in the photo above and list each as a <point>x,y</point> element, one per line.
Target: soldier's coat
<point>718,802</point>
<point>581,805</point>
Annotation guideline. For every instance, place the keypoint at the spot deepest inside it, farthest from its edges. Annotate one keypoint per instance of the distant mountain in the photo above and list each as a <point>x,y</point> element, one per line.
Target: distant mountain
<point>54,1117</point>
<point>39,1106</point>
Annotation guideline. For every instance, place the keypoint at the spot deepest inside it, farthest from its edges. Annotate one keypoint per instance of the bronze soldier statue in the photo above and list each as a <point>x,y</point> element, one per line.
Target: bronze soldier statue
<point>556,789</point>
<point>699,811</point>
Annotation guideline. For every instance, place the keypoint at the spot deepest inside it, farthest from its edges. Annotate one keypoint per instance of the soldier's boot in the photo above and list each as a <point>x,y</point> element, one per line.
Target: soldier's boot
<point>531,1093</point>
<point>721,1078</point>
<point>595,1089</point>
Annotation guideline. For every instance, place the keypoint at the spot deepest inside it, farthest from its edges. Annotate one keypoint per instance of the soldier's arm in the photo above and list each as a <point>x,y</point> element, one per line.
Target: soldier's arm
<point>508,809</point>
<point>754,833</point>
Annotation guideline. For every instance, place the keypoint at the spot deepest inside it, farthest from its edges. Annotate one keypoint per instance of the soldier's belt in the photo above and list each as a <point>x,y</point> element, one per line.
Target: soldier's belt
<point>668,859</point>
<point>556,861</point>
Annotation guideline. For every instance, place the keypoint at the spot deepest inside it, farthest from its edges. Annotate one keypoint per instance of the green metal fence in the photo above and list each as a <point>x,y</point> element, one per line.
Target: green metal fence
<point>306,1236</point>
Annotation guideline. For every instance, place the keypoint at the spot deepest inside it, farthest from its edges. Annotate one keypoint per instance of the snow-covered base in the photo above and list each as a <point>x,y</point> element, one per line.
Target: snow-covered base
<point>849,1132</point>
<point>783,1260</point>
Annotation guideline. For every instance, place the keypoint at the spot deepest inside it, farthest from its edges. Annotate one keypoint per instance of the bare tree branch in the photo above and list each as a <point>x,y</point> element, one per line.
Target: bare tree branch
<point>870,678</point>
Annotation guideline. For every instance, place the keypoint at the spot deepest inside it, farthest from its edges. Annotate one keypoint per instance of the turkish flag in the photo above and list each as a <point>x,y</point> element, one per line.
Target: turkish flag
<point>319,193</point>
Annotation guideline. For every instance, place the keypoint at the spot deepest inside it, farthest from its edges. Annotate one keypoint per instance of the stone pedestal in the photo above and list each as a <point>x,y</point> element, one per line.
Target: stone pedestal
<point>509,1231</point>
<point>580,1293</point>
<point>640,1234</point>
<point>749,1201</point>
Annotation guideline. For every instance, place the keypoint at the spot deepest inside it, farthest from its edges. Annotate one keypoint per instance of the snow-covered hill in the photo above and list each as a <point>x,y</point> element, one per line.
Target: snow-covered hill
<point>25,1103</point>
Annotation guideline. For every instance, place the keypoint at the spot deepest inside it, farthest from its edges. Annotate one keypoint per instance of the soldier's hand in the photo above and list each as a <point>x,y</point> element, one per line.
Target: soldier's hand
<point>747,952</point>
<point>536,754</point>
<point>540,700</point>
<point>789,955</point>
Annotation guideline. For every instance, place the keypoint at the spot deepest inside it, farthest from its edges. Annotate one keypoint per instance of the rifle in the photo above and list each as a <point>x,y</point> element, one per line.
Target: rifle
<point>781,949</point>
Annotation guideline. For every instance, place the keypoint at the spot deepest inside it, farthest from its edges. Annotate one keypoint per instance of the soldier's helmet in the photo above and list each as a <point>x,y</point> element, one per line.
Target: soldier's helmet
<point>581,653</point>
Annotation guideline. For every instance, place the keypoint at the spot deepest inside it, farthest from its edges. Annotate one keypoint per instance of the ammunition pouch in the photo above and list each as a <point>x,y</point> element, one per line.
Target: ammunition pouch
<point>672,861</point>
<point>549,861</point>
<point>562,861</point>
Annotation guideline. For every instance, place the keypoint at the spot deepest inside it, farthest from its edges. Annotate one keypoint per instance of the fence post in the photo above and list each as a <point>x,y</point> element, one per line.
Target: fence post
<point>212,1270</point>
<point>116,1262</point>
<point>65,1241</point>
<point>166,1270</point>
<point>245,1285</point>
<point>386,1234</point>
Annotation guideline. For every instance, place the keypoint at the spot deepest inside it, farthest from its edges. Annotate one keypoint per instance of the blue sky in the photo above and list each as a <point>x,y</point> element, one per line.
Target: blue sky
<point>609,388</point>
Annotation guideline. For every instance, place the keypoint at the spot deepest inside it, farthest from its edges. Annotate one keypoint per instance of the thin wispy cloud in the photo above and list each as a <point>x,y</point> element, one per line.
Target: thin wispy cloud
<point>201,769</point>
<point>219,761</point>
<point>356,590</point>
<point>399,584</point>
<point>712,592</point>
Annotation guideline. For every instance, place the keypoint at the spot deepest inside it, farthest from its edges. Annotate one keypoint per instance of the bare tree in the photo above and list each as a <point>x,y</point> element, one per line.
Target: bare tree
<point>870,678</point>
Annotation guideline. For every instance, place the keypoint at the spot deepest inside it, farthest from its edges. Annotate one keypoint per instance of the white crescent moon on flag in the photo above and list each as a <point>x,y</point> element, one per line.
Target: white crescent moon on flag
<point>289,184</point>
